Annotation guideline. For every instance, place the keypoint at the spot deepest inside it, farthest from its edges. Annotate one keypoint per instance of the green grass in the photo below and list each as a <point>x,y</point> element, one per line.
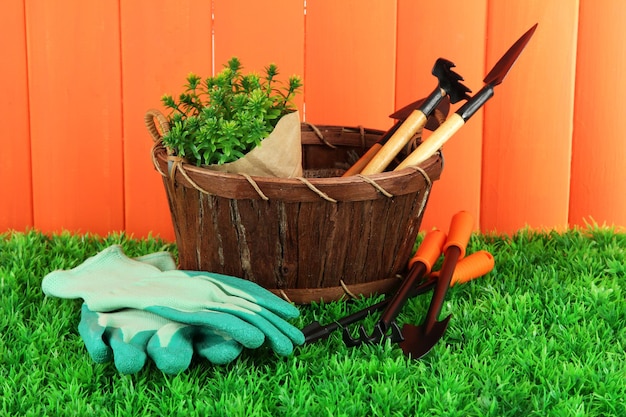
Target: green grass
<point>542,335</point>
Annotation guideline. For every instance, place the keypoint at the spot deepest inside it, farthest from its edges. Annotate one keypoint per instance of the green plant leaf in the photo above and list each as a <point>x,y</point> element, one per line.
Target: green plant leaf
<point>219,119</point>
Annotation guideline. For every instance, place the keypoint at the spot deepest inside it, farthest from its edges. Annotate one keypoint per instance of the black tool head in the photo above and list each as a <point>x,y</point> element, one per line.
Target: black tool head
<point>432,123</point>
<point>502,67</point>
<point>417,342</point>
<point>450,81</point>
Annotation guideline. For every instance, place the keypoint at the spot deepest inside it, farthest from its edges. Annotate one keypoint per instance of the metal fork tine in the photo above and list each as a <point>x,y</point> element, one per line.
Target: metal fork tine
<point>348,339</point>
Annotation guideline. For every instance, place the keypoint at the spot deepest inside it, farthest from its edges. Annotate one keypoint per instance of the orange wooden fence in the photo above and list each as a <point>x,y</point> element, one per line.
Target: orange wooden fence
<point>548,150</point>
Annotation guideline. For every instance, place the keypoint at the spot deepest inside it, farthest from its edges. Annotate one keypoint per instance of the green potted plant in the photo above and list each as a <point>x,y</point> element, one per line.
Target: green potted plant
<point>236,122</point>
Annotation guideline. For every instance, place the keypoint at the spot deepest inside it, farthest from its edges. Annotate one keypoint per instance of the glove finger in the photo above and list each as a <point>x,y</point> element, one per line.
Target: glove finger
<point>129,356</point>
<point>294,334</point>
<point>250,291</point>
<point>277,340</point>
<point>228,324</point>
<point>92,334</point>
<point>162,260</point>
<point>218,349</point>
<point>171,348</point>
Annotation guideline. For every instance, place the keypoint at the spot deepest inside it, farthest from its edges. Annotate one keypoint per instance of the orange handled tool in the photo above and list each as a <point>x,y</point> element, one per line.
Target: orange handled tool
<point>426,256</point>
<point>418,340</point>
<point>472,266</point>
<point>468,268</point>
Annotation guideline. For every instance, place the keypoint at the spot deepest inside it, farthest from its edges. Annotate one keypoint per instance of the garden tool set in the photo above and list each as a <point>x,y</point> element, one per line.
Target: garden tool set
<point>449,85</point>
<point>416,341</point>
<point>473,266</point>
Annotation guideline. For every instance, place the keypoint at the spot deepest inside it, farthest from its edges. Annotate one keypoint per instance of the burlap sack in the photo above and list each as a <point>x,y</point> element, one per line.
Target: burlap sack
<point>278,155</point>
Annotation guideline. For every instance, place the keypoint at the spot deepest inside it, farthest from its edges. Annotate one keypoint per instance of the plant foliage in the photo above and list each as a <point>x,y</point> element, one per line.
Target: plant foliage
<point>219,119</point>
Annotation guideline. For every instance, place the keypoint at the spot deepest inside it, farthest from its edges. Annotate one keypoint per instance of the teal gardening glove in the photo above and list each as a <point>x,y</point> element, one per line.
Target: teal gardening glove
<point>231,307</point>
<point>129,336</point>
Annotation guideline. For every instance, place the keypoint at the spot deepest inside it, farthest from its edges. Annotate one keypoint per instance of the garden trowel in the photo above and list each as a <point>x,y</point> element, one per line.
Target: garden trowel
<point>458,119</point>
<point>433,121</point>
<point>449,85</point>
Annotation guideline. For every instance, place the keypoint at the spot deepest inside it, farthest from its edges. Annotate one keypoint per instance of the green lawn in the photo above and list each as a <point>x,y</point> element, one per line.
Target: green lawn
<point>543,334</point>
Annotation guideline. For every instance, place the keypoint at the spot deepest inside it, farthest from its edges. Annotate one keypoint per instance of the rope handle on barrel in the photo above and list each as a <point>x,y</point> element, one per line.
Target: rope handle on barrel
<point>148,119</point>
<point>176,163</point>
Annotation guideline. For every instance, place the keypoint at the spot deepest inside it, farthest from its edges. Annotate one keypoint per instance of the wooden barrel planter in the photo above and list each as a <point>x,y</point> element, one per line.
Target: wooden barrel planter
<point>307,239</point>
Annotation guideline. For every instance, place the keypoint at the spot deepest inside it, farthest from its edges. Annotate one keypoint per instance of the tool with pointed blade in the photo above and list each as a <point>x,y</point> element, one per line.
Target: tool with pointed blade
<point>449,85</point>
<point>432,123</point>
<point>419,340</point>
<point>420,265</point>
<point>470,267</point>
<point>458,119</point>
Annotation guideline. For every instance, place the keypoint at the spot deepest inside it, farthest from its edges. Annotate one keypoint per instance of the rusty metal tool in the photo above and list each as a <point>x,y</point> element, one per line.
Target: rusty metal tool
<point>470,267</point>
<point>418,340</point>
<point>420,265</point>
<point>433,121</point>
<point>458,119</point>
<point>449,85</point>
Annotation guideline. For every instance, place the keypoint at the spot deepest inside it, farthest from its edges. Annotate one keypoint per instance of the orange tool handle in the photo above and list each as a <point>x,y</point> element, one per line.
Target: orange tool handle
<point>430,249</point>
<point>363,161</point>
<point>471,267</point>
<point>460,231</point>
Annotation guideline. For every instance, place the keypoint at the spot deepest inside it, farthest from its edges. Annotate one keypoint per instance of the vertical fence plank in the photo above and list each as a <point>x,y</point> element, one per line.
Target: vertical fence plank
<point>16,210</point>
<point>598,190</point>
<point>161,45</point>
<point>454,30</point>
<point>528,123</point>
<point>71,100</point>
<point>350,62</point>
<point>259,35</point>
<point>75,109</point>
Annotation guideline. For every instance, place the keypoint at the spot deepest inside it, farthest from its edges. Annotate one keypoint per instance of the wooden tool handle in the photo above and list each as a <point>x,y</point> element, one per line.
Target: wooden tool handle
<point>435,141</point>
<point>363,161</point>
<point>412,124</point>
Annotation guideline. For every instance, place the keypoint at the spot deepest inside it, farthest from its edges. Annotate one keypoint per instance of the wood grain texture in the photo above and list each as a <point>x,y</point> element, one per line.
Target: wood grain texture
<point>598,181</point>
<point>297,240</point>
<point>160,47</point>
<point>546,151</point>
<point>454,30</point>
<point>528,122</point>
<point>16,210</point>
<point>75,116</point>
